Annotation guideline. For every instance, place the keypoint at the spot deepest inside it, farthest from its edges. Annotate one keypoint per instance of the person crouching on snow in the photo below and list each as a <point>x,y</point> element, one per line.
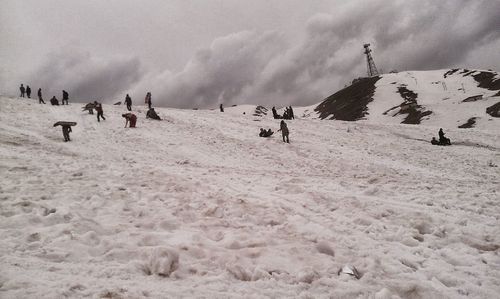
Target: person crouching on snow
<point>130,117</point>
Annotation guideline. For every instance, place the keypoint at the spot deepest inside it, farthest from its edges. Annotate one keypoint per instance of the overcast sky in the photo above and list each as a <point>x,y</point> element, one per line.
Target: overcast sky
<point>198,53</point>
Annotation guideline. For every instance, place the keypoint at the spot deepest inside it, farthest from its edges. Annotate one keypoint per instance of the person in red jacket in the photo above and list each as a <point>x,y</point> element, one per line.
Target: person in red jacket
<point>130,117</point>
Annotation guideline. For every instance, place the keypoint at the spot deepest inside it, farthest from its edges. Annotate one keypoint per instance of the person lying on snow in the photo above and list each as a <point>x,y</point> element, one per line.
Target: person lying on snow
<point>265,133</point>
<point>152,114</point>
<point>130,117</point>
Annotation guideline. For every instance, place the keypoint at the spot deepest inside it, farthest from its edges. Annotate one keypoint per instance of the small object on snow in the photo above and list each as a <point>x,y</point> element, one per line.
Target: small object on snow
<point>118,103</point>
<point>350,270</point>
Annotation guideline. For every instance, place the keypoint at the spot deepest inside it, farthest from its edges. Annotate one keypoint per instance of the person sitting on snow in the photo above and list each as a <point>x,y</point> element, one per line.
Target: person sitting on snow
<point>265,133</point>
<point>152,114</point>
<point>443,140</point>
<point>54,101</point>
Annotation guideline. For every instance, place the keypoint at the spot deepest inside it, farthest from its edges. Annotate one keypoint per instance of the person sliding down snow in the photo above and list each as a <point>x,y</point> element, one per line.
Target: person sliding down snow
<point>130,117</point>
<point>261,134</point>
<point>265,133</point>
<point>275,114</point>
<point>284,131</point>
<point>152,114</point>
<point>100,112</point>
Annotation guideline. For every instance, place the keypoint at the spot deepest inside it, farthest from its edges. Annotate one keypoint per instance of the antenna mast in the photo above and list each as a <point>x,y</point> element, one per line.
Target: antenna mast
<point>371,68</point>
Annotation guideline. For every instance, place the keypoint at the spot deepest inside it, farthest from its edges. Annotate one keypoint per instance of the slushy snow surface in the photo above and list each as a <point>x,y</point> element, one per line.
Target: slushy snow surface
<point>199,206</point>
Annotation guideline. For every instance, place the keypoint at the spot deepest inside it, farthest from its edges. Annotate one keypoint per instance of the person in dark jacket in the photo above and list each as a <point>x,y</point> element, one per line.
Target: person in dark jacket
<point>265,133</point>
<point>23,90</point>
<point>262,132</point>
<point>100,112</point>
<point>28,91</point>
<point>128,102</point>
<point>65,97</point>
<point>147,100</point>
<point>54,101</point>
<point>66,130</point>
<point>221,108</point>
<point>40,99</point>
<point>275,114</point>
<point>291,113</point>
<point>443,140</point>
<point>130,117</point>
<point>284,131</point>
<point>152,114</point>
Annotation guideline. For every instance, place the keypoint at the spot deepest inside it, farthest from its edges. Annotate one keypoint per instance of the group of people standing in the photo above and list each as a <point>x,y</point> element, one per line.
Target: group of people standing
<point>26,91</point>
<point>131,118</point>
<point>288,114</point>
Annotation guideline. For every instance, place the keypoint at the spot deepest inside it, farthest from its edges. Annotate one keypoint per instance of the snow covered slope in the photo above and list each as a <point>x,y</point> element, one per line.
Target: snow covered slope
<point>199,206</point>
<point>447,98</point>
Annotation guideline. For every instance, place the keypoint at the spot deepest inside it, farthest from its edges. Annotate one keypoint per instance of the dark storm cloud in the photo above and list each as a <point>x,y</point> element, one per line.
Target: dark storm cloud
<point>85,77</point>
<point>271,68</point>
<point>405,35</point>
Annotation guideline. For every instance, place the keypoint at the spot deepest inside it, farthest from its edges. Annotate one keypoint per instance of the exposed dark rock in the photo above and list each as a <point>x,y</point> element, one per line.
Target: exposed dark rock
<point>450,72</point>
<point>487,80</point>
<point>410,106</point>
<point>494,110</point>
<point>473,99</point>
<point>350,103</point>
<point>469,124</point>
<point>260,111</point>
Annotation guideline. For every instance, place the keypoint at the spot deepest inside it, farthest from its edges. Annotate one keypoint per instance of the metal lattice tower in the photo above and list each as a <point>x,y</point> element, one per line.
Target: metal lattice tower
<point>371,68</point>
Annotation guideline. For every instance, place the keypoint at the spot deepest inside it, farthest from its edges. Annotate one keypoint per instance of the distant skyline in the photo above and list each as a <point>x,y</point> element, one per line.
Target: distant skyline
<point>199,53</point>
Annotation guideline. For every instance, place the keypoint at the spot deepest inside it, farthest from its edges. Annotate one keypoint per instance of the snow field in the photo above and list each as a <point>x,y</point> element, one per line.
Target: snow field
<point>197,205</point>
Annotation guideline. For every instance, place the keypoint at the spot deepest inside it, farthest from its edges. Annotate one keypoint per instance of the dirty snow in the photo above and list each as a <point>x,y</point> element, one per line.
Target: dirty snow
<point>199,206</point>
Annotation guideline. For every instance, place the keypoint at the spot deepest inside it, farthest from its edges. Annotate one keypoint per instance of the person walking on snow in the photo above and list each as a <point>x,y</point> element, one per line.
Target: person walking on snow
<point>22,89</point>
<point>40,100</point>
<point>128,101</point>
<point>28,91</point>
<point>98,108</point>
<point>65,97</point>
<point>284,131</point>
<point>66,130</point>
